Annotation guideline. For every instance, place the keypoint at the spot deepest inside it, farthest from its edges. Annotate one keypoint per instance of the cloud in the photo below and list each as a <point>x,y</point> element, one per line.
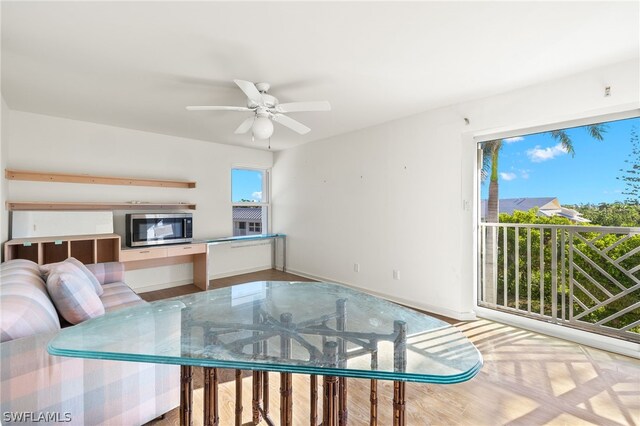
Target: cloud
<point>514,139</point>
<point>507,176</point>
<point>538,155</point>
<point>257,195</point>
<point>524,174</point>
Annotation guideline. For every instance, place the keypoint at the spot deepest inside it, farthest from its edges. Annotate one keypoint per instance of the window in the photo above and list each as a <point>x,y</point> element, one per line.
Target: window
<point>250,201</point>
<point>557,236</point>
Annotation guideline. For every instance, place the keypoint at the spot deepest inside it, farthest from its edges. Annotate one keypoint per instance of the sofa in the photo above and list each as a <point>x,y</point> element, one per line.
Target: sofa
<point>39,388</point>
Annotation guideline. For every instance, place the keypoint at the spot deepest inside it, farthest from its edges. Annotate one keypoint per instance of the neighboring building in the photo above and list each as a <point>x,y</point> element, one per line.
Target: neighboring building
<point>547,206</point>
<point>247,220</point>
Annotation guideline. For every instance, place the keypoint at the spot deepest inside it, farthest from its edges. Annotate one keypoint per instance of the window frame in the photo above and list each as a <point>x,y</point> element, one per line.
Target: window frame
<point>266,197</point>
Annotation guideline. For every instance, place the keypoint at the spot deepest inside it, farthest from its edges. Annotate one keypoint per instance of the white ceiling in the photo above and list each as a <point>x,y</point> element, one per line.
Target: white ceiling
<point>137,65</point>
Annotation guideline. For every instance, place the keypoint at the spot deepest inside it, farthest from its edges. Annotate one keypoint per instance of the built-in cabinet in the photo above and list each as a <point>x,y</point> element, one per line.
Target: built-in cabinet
<point>150,257</point>
<point>85,248</point>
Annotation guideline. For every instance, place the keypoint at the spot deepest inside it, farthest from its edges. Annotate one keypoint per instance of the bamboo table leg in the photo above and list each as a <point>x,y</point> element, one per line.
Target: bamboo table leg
<point>313,400</point>
<point>257,396</point>
<point>257,375</point>
<point>373,400</point>
<point>398,403</point>
<point>186,395</point>
<point>400,364</point>
<point>238,397</point>
<point>330,405</point>
<point>286,382</point>
<point>265,392</point>
<point>211,417</point>
<point>330,384</point>
<point>341,325</point>
<point>373,396</point>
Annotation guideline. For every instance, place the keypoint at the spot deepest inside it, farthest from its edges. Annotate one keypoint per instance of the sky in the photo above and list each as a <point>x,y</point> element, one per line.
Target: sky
<point>537,166</point>
<point>246,185</point>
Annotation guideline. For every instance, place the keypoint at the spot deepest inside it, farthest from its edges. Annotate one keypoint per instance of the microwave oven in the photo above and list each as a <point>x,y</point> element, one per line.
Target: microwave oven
<point>156,229</point>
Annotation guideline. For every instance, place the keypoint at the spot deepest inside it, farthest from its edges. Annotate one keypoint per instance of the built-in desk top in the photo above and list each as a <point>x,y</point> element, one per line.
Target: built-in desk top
<point>239,239</point>
<point>314,328</point>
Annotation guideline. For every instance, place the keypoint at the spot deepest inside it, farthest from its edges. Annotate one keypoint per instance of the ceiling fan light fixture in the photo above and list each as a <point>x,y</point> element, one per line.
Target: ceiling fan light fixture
<point>262,128</point>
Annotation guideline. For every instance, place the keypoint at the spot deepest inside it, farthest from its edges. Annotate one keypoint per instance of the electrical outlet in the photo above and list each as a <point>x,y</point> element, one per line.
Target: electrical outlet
<point>356,267</point>
<point>396,274</point>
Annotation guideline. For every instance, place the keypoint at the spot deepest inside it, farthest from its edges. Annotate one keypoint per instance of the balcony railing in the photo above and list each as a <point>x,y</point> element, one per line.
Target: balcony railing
<point>586,277</point>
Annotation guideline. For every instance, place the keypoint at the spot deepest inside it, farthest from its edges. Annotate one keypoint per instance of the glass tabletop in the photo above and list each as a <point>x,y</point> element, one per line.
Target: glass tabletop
<point>298,327</point>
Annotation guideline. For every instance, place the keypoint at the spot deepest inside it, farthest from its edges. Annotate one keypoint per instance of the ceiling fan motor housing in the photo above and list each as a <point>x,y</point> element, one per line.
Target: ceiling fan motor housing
<point>268,101</point>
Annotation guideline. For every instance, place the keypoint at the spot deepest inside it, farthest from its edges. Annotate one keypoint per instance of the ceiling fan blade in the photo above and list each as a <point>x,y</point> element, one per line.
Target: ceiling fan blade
<point>217,108</point>
<point>289,122</point>
<point>250,90</point>
<point>304,106</point>
<point>245,126</point>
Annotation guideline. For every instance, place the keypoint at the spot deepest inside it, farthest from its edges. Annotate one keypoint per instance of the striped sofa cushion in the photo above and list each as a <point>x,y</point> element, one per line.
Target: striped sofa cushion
<point>108,272</point>
<point>25,307</point>
<point>118,295</point>
<point>74,297</point>
<point>72,266</point>
<point>24,265</point>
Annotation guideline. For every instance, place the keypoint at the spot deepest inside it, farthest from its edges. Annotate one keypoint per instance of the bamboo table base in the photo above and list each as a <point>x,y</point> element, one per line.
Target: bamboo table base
<point>334,407</point>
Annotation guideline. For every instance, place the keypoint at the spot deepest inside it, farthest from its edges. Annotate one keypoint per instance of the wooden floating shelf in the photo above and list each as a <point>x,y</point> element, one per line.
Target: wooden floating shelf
<point>90,179</point>
<point>54,205</point>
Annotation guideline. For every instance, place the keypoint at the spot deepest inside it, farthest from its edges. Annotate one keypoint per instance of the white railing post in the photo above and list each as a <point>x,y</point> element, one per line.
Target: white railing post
<point>554,274</point>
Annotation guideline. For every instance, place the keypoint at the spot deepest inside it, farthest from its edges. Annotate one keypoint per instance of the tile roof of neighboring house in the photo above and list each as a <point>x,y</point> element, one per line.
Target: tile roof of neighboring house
<point>547,206</point>
<point>247,213</point>
<point>508,205</point>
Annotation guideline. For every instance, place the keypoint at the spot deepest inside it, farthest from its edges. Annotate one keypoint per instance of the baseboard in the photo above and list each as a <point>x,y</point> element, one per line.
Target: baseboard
<point>461,316</point>
<point>598,341</point>
<point>239,272</point>
<point>161,286</point>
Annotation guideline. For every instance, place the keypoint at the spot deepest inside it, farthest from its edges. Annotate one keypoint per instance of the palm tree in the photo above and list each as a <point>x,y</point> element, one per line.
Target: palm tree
<point>490,154</point>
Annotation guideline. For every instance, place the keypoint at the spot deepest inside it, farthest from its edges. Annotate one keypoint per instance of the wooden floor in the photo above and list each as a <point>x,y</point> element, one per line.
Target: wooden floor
<point>527,379</point>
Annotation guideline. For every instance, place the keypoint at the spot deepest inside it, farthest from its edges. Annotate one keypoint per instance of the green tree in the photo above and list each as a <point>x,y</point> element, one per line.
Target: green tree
<point>579,263</point>
<point>631,176</point>
<point>610,214</point>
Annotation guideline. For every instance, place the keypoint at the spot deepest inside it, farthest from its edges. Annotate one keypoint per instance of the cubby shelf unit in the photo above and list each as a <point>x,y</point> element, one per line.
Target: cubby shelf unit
<point>85,248</point>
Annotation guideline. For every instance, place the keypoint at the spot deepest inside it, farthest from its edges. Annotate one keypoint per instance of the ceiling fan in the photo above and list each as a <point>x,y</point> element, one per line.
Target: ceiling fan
<point>265,109</point>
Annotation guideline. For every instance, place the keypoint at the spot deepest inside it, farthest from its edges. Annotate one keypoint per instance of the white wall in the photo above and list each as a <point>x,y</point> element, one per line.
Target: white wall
<point>393,196</point>
<point>4,143</point>
<point>44,143</point>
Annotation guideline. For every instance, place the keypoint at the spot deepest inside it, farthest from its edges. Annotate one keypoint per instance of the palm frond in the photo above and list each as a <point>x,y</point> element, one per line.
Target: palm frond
<point>564,139</point>
<point>597,131</point>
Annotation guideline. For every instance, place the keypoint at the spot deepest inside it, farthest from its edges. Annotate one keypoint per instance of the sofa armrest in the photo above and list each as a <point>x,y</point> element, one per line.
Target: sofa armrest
<point>82,391</point>
<point>107,272</point>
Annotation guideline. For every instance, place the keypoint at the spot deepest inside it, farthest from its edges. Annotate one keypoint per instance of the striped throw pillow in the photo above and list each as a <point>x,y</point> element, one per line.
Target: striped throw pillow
<point>72,266</point>
<point>74,297</point>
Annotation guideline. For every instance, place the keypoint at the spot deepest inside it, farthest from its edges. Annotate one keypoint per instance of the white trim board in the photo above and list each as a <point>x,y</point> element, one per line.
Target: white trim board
<point>598,341</point>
